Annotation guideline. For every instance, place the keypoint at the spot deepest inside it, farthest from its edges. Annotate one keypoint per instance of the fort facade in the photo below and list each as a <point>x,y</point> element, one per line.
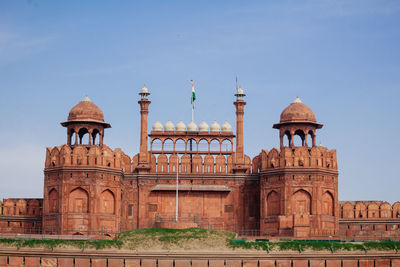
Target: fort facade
<point>196,176</point>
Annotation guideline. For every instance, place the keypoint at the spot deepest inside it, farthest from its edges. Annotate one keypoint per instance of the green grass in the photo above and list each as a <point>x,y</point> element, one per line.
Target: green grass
<point>195,239</point>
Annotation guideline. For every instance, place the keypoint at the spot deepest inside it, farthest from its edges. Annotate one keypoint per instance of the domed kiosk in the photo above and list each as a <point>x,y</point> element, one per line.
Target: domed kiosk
<point>85,117</point>
<point>297,119</point>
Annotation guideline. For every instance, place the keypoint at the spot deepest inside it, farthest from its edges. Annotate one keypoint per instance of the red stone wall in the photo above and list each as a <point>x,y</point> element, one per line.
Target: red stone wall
<point>21,216</point>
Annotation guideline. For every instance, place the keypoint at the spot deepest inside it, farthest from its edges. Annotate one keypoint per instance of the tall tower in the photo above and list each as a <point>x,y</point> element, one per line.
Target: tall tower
<point>239,155</point>
<point>299,183</point>
<point>144,102</point>
<point>82,185</point>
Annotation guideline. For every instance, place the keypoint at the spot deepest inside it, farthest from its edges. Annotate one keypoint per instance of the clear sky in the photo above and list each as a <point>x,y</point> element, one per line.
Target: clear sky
<point>342,58</point>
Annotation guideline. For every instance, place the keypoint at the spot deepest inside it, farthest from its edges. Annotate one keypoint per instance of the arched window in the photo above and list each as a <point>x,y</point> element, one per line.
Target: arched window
<point>191,145</point>
<point>226,145</point>
<point>156,145</point>
<point>168,145</point>
<point>79,201</point>
<point>83,136</point>
<point>301,202</point>
<point>215,145</point>
<point>286,139</point>
<point>180,145</point>
<point>298,138</point>
<point>203,145</point>
<point>96,137</point>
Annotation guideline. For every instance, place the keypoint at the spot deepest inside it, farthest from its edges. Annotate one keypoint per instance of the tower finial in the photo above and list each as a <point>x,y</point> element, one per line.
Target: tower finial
<point>86,99</point>
<point>297,100</point>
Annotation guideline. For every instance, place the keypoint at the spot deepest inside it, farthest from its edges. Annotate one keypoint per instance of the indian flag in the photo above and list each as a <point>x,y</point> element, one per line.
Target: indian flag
<point>193,98</point>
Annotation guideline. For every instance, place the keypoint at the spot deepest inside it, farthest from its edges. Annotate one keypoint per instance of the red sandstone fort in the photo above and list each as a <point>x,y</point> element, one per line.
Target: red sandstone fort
<point>287,192</point>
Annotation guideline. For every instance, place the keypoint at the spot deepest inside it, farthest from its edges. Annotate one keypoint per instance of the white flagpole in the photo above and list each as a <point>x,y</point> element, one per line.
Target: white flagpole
<point>192,100</point>
<point>177,184</point>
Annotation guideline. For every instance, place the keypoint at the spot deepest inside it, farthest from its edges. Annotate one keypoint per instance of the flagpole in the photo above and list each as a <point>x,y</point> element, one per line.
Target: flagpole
<point>177,185</point>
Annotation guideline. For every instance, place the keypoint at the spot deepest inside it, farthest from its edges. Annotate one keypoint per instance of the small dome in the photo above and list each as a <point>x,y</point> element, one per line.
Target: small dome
<point>226,127</point>
<point>169,126</point>
<point>144,90</point>
<point>157,126</point>
<point>240,91</point>
<point>215,127</point>
<point>86,110</point>
<point>203,127</point>
<point>297,111</point>
<point>180,126</point>
<point>192,127</point>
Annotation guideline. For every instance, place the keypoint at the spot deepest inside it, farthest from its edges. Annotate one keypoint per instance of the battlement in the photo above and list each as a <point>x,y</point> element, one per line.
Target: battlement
<point>193,164</point>
<point>295,157</point>
<point>21,207</point>
<point>369,210</point>
<point>86,155</point>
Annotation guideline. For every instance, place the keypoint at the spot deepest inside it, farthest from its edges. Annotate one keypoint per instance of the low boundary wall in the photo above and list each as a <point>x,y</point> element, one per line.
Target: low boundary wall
<point>76,258</point>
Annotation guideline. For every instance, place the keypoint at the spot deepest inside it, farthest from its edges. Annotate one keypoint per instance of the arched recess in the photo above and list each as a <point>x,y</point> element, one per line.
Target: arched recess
<point>328,204</point>
<point>273,203</point>
<point>78,201</point>
<point>361,210</point>
<point>107,202</point>
<point>203,145</point>
<point>301,202</point>
<point>53,201</point>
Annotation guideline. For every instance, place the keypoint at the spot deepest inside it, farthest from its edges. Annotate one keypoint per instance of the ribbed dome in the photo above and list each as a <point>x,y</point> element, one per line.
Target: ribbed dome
<point>215,127</point>
<point>180,126</point>
<point>86,110</point>
<point>203,127</point>
<point>192,127</point>
<point>157,126</point>
<point>226,127</point>
<point>169,126</point>
<point>297,111</point>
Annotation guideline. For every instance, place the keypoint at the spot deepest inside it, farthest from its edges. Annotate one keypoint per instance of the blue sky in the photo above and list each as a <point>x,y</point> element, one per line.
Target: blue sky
<point>340,57</point>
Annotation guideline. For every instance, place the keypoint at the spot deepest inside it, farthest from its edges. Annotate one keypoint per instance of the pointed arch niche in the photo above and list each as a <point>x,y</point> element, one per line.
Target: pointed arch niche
<point>78,201</point>
<point>107,202</point>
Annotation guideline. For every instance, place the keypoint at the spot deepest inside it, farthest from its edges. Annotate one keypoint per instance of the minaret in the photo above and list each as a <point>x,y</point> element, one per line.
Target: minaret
<point>239,104</point>
<point>144,111</point>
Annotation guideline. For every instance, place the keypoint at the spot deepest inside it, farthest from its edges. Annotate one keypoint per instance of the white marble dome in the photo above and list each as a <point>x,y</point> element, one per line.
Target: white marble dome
<point>192,127</point>
<point>226,127</point>
<point>240,91</point>
<point>144,90</point>
<point>215,127</point>
<point>180,126</point>
<point>169,126</point>
<point>157,126</point>
<point>203,127</point>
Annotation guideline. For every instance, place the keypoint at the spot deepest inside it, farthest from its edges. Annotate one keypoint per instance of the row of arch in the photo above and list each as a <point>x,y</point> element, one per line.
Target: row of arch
<point>208,164</point>
<point>85,136</point>
<point>297,137</point>
<point>315,157</point>
<point>202,144</point>
<point>21,207</point>
<point>369,210</point>
<point>78,201</point>
<point>301,203</point>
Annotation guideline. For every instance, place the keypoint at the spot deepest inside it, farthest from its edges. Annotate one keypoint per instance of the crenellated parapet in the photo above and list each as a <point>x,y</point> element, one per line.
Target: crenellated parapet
<point>82,155</point>
<point>192,164</point>
<point>369,210</point>
<point>295,157</point>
